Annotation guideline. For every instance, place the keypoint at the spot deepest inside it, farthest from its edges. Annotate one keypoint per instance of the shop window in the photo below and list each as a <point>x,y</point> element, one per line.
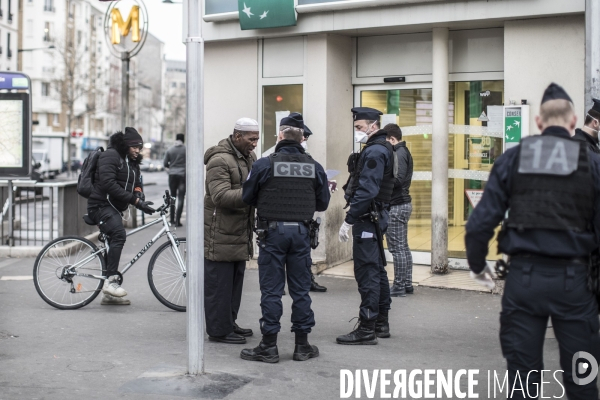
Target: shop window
<point>278,101</point>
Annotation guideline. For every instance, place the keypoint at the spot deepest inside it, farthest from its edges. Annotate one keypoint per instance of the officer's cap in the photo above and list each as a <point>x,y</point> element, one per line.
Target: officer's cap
<point>294,119</point>
<point>555,92</point>
<point>307,131</point>
<point>367,113</point>
<point>594,112</point>
<point>246,125</point>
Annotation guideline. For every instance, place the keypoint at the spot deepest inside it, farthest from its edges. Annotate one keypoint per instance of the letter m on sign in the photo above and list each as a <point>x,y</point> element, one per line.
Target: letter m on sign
<point>119,28</point>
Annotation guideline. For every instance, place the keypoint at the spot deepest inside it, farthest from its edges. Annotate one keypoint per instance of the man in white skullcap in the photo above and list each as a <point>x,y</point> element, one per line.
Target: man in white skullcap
<point>228,223</point>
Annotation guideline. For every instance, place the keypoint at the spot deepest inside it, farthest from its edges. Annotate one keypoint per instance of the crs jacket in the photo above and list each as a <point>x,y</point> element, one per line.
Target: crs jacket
<point>228,221</point>
<point>117,176</point>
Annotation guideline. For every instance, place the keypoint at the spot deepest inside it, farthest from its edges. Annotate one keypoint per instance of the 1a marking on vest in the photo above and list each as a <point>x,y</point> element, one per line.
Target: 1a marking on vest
<point>294,170</point>
<point>548,156</point>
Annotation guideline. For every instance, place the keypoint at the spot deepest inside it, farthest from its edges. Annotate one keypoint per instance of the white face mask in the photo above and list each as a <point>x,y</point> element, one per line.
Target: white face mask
<point>594,130</point>
<point>303,144</point>
<point>362,137</point>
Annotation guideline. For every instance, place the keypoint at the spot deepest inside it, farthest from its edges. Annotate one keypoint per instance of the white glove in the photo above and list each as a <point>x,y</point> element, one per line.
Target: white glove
<point>485,277</point>
<point>344,232</point>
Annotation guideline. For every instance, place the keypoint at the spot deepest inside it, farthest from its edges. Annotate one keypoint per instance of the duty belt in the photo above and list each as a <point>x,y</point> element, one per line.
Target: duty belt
<point>551,259</point>
<point>262,224</point>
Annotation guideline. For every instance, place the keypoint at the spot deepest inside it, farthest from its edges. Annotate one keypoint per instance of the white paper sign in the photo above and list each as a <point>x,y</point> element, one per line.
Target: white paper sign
<point>474,196</point>
<point>279,115</point>
<point>495,116</point>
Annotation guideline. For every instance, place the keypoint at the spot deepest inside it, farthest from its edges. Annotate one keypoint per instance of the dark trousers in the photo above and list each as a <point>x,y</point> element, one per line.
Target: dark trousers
<point>534,292</point>
<point>371,276</point>
<point>111,224</point>
<point>223,283</point>
<point>177,188</point>
<point>287,248</point>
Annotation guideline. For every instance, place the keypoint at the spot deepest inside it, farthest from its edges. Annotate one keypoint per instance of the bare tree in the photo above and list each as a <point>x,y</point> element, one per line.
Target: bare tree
<point>175,114</point>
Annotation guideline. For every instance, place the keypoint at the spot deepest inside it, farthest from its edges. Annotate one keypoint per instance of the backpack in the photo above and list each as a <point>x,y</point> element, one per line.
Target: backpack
<point>85,182</point>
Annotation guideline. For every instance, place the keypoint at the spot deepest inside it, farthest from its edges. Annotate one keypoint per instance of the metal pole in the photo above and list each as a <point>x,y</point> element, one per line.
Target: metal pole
<point>124,90</point>
<point>195,187</point>
<point>439,153</point>
<point>51,214</point>
<point>592,52</point>
<point>11,215</point>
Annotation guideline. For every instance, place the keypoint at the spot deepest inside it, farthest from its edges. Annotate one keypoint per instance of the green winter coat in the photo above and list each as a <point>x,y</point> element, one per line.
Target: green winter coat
<point>228,221</point>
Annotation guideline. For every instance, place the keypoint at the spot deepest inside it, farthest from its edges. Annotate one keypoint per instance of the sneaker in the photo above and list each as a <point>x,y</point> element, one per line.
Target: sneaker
<point>303,352</point>
<point>410,289</point>
<point>397,291</point>
<point>113,288</point>
<point>108,300</point>
<point>262,352</point>
<point>364,334</point>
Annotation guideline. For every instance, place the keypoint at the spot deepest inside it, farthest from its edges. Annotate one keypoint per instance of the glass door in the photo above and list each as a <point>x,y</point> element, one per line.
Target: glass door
<point>472,150</point>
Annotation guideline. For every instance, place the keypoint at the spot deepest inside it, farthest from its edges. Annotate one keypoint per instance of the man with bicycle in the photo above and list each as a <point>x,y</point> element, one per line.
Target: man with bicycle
<point>117,184</point>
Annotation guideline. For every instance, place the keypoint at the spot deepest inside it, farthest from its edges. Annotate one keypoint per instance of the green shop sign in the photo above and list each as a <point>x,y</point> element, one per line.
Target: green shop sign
<point>512,124</point>
<point>262,14</point>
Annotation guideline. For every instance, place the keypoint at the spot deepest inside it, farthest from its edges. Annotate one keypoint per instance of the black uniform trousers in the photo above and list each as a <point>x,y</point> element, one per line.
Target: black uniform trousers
<point>287,248</point>
<point>369,272</point>
<point>111,224</point>
<point>223,284</point>
<point>177,188</point>
<point>537,289</point>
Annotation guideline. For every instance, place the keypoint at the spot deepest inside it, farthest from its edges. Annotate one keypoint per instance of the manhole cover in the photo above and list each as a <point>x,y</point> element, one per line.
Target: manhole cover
<point>90,366</point>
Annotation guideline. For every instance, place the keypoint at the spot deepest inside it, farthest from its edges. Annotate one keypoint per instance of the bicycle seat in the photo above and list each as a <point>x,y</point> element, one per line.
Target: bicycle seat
<point>88,220</point>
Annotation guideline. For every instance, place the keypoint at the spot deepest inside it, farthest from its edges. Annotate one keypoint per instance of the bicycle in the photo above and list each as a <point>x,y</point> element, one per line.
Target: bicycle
<point>70,271</point>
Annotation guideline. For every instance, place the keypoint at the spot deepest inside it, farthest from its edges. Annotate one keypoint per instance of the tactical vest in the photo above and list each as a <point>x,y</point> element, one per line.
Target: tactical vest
<point>552,186</point>
<point>289,194</point>
<point>356,165</point>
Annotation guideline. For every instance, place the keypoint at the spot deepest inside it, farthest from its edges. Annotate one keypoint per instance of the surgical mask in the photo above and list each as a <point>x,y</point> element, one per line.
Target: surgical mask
<point>595,130</point>
<point>303,144</point>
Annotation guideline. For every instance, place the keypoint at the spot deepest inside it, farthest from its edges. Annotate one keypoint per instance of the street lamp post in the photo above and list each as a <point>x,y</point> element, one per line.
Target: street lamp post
<point>195,187</point>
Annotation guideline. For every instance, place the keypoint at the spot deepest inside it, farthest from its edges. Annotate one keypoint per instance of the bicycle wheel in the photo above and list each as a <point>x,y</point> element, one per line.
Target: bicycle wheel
<point>58,283</point>
<point>165,276</point>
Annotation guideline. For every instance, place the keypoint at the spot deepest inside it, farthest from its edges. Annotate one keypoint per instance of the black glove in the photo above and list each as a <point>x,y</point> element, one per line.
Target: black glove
<point>139,195</point>
<point>145,206</point>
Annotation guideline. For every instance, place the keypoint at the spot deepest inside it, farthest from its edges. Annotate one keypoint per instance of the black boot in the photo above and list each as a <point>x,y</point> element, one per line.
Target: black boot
<point>382,326</point>
<point>364,334</point>
<point>231,338</point>
<point>314,286</point>
<point>266,351</point>
<point>397,291</point>
<point>242,331</point>
<point>410,289</point>
<point>303,350</point>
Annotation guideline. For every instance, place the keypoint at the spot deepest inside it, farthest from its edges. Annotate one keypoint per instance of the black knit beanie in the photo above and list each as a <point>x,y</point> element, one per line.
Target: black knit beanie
<point>132,138</point>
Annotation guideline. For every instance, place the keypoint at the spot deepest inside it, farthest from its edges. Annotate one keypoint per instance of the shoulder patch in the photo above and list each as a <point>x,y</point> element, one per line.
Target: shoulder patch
<point>372,164</point>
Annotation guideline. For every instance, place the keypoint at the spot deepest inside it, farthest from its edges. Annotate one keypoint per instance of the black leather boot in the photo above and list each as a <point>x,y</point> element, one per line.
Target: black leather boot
<point>314,286</point>
<point>242,331</point>
<point>364,334</point>
<point>382,326</point>
<point>231,338</point>
<point>266,351</point>
<point>303,350</point>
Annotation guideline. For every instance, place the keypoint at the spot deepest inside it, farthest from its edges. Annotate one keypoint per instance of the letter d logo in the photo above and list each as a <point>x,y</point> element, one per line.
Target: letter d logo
<point>584,367</point>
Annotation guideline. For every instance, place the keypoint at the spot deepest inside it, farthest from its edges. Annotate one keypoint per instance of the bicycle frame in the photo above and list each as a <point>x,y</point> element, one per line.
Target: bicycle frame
<point>165,230</point>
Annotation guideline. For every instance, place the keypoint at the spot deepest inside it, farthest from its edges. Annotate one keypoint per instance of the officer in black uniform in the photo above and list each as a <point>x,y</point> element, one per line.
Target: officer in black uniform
<point>368,193</point>
<point>550,185</point>
<point>591,125</point>
<point>286,188</point>
<point>314,286</point>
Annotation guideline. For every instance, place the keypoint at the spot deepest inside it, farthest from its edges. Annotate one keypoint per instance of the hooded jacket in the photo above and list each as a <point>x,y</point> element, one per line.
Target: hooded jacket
<point>117,176</point>
<point>228,221</point>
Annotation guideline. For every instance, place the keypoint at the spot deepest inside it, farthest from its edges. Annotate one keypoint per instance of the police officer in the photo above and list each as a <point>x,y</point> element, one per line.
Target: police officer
<point>368,193</point>
<point>314,286</point>
<point>591,125</point>
<point>287,188</point>
<point>550,185</point>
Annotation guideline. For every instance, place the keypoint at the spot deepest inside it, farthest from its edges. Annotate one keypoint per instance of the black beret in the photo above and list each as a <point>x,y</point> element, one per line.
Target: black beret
<point>555,92</point>
<point>367,113</point>
<point>294,119</point>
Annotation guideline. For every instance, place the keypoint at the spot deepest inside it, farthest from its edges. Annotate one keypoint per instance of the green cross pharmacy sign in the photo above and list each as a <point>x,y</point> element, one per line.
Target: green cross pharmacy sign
<point>262,14</point>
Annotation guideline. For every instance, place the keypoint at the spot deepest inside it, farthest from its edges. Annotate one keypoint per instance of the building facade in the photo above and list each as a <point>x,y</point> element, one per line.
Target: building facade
<point>9,34</point>
<point>175,104</point>
<point>438,69</point>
